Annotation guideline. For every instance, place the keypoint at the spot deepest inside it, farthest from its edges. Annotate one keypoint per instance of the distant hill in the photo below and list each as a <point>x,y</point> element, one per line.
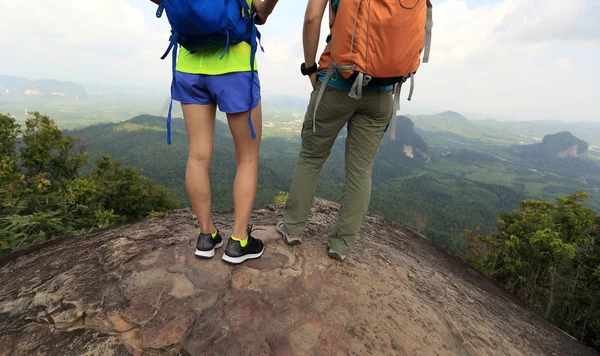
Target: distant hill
<point>402,190</point>
<point>140,141</point>
<point>16,87</point>
<point>560,145</point>
<point>586,130</point>
<point>414,145</point>
<point>455,128</point>
<point>401,156</point>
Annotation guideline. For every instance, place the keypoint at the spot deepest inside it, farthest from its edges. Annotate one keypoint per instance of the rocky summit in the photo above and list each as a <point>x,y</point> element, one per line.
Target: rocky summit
<point>138,289</point>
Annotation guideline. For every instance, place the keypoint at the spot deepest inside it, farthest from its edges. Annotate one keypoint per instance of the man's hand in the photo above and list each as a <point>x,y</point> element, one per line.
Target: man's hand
<point>313,79</point>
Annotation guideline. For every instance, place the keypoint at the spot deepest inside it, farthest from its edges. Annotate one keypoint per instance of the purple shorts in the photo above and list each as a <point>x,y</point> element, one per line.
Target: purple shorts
<point>231,92</point>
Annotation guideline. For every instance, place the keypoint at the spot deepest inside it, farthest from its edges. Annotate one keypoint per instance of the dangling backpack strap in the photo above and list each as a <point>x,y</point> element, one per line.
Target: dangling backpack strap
<point>357,86</point>
<point>256,36</point>
<point>172,47</point>
<point>328,75</point>
<point>428,26</point>
<point>252,74</point>
<point>396,105</point>
<point>171,101</point>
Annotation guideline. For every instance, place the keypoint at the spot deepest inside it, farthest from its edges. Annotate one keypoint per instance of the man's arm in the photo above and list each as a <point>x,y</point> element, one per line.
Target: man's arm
<point>157,2</point>
<point>311,32</point>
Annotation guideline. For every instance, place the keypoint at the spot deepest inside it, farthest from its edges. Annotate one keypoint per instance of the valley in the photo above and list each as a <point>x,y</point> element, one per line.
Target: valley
<point>436,186</point>
<point>445,173</point>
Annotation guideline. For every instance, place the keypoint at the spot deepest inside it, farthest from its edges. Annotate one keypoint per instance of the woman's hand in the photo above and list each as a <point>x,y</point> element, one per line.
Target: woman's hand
<point>260,19</point>
<point>263,8</point>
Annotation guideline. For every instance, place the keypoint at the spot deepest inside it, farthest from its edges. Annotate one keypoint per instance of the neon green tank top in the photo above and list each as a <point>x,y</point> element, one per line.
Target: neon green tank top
<point>209,62</point>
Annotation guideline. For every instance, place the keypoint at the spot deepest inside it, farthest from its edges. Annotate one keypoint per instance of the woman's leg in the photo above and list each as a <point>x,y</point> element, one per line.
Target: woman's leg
<point>200,126</point>
<point>246,178</point>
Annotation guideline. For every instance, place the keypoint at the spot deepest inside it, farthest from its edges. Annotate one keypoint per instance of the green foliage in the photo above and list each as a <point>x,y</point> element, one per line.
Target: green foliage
<point>125,191</point>
<point>414,201</point>
<point>47,151</point>
<point>45,197</point>
<point>463,189</point>
<point>9,168</point>
<point>22,226</point>
<point>442,209</point>
<point>281,197</point>
<point>549,255</point>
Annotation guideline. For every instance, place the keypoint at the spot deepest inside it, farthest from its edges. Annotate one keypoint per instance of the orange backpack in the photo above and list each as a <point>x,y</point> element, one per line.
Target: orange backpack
<point>377,42</point>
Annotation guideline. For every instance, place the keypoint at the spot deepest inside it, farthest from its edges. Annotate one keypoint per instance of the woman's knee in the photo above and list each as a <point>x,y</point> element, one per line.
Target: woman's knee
<point>247,159</point>
<point>200,157</point>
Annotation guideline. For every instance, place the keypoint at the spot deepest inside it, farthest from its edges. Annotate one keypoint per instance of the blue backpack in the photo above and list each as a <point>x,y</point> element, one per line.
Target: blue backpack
<point>209,24</point>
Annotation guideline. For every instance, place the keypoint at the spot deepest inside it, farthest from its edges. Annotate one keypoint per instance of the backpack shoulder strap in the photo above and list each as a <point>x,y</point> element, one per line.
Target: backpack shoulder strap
<point>428,26</point>
<point>331,14</point>
<point>245,6</point>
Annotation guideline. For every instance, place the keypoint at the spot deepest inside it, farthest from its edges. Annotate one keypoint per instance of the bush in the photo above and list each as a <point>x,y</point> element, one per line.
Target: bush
<point>43,196</point>
<point>549,255</point>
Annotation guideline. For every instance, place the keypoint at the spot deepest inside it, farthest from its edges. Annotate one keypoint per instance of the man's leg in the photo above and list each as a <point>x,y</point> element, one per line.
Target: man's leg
<point>334,111</point>
<point>365,132</point>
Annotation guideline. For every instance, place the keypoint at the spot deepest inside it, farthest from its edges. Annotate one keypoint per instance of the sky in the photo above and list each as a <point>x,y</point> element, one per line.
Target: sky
<point>508,59</point>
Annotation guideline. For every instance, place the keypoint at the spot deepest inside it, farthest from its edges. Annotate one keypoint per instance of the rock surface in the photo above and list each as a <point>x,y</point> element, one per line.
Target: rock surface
<point>138,289</point>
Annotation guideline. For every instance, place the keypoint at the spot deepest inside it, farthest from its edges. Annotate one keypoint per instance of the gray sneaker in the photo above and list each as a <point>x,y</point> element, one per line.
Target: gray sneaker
<point>336,256</point>
<point>286,237</point>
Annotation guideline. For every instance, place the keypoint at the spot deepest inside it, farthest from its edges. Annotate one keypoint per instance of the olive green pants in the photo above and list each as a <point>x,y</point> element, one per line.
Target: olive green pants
<point>367,120</point>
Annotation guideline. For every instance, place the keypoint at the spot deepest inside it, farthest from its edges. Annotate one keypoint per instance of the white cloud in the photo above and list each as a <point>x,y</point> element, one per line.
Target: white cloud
<point>78,22</point>
<point>81,40</point>
<point>528,58</point>
<point>511,27</point>
<point>509,59</point>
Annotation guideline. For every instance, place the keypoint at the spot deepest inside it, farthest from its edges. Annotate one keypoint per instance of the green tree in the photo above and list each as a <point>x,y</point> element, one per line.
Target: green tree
<point>549,255</point>
<point>125,191</point>
<point>48,152</point>
<point>9,168</point>
<point>9,131</point>
<point>45,197</point>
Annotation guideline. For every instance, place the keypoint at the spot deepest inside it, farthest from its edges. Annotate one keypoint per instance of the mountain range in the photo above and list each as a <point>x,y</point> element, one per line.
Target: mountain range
<point>444,173</point>
<point>438,191</point>
<point>16,88</point>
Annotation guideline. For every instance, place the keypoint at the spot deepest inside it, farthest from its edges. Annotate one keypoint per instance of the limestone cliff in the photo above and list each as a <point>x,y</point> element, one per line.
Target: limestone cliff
<point>138,289</point>
<point>560,145</point>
